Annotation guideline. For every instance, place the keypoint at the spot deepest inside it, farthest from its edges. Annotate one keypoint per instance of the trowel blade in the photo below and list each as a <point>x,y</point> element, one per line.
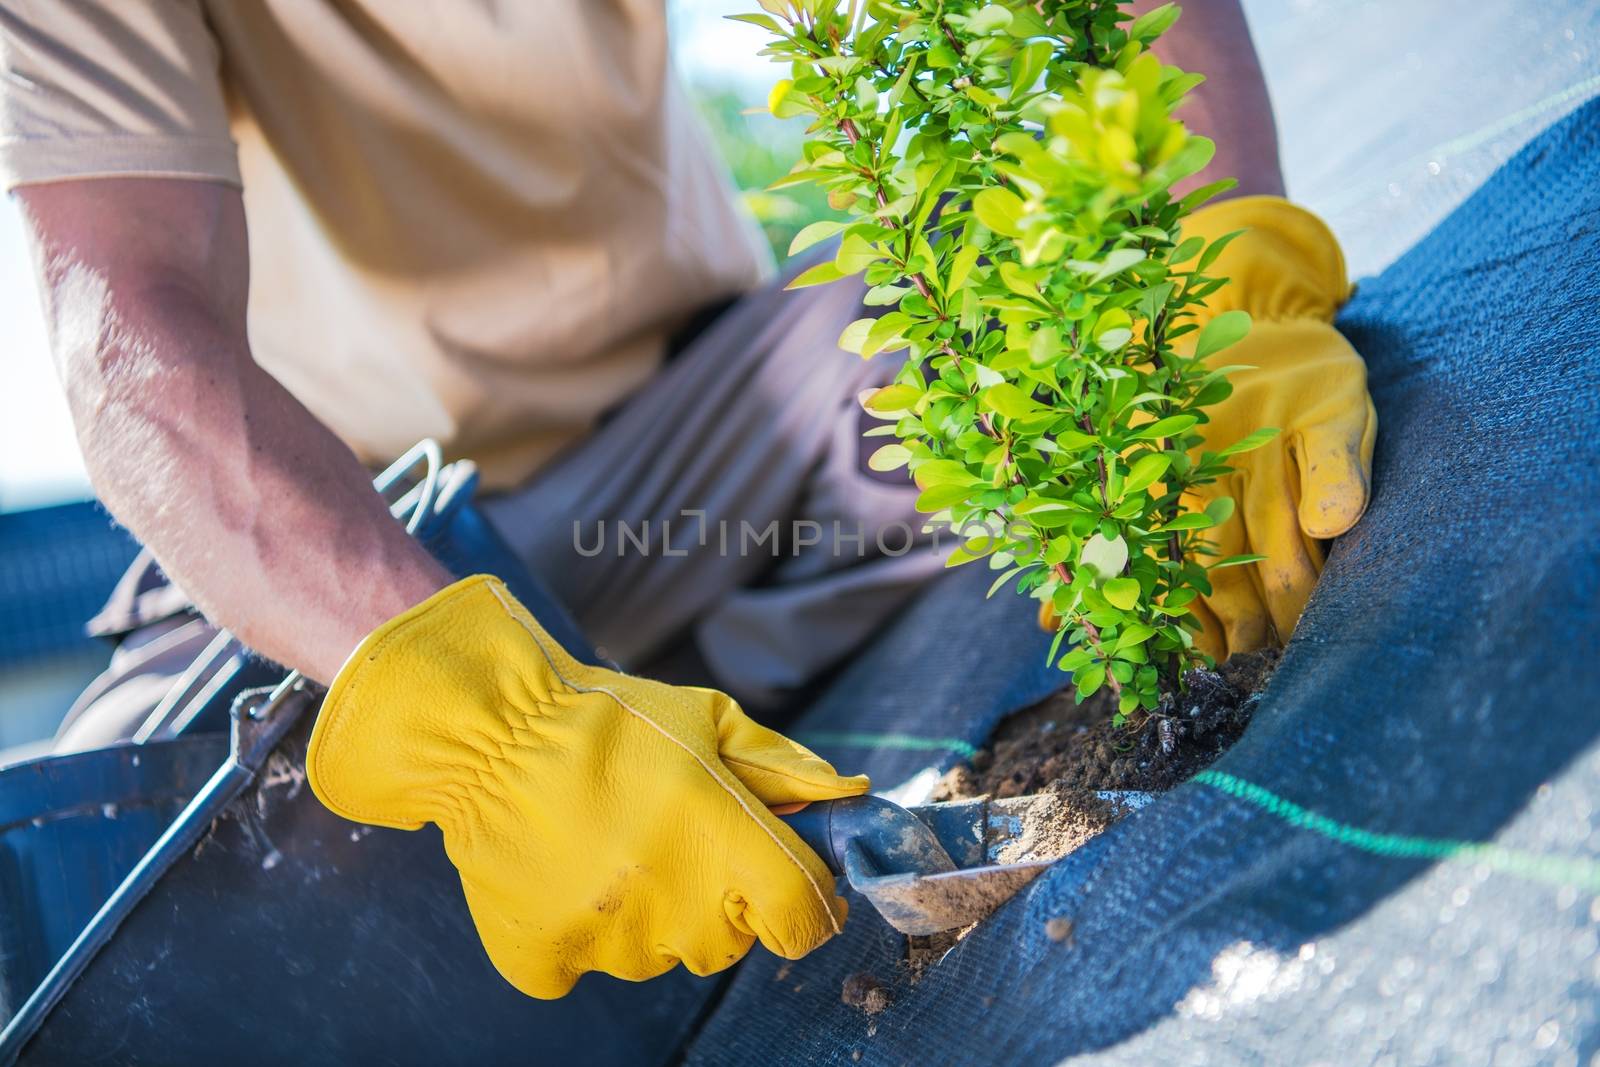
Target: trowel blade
<point>983,835</point>
<point>934,903</point>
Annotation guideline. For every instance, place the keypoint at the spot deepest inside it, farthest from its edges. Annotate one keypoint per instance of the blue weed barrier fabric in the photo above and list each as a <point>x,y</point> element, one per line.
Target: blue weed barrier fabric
<point>1400,861</point>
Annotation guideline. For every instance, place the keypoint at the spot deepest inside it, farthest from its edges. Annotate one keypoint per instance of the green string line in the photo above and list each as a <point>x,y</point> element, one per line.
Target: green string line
<point>1575,871</point>
<point>905,742</point>
<point>1553,870</point>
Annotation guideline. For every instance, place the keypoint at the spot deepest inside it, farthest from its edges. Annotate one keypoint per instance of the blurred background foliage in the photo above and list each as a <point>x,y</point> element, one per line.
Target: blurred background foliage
<point>759,149</point>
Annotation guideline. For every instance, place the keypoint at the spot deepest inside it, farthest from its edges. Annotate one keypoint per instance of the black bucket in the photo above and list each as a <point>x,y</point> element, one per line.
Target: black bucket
<point>71,827</point>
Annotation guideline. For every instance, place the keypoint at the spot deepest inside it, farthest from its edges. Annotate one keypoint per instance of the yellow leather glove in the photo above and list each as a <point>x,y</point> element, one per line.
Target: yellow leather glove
<point>600,822</point>
<point>1311,482</point>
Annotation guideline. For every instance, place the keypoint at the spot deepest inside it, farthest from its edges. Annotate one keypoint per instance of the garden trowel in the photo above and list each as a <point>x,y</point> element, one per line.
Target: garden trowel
<point>935,867</point>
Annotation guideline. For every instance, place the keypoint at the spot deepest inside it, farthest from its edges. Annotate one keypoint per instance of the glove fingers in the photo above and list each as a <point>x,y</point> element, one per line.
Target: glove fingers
<point>786,915</point>
<point>773,767</point>
<point>784,893</point>
<point>1335,470</point>
<point>533,968</point>
<point>1236,598</point>
<point>714,950</point>
<point>1289,573</point>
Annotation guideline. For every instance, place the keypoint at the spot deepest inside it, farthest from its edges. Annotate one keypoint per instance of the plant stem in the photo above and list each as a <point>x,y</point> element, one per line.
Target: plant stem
<point>851,134</point>
<point>1091,634</point>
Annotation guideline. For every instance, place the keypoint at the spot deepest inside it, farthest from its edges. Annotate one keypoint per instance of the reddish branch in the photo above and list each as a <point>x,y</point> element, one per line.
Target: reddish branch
<point>851,134</point>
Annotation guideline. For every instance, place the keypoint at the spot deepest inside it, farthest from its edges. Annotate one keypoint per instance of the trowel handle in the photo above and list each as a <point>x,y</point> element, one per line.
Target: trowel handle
<point>892,839</point>
<point>813,823</point>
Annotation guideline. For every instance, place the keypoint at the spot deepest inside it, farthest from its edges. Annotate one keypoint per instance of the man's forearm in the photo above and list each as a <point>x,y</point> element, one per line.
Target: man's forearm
<point>1232,107</point>
<point>249,503</point>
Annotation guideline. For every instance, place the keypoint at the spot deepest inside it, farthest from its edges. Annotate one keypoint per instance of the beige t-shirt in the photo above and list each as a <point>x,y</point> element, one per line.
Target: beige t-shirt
<point>475,220</point>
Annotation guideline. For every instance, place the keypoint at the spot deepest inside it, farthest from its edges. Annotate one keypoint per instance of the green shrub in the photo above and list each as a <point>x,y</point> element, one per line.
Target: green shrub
<point>1007,170</point>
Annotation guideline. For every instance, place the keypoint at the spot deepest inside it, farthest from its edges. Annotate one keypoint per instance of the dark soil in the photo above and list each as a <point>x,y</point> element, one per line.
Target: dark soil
<point>865,991</point>
<point>1068,753</point>
<point>1074,750</point>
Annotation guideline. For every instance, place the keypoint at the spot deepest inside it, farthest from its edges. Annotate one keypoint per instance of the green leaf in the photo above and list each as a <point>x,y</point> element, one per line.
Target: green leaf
<point>893,399</point>
<point>889,458</point>
<point>1006,399</point>
<point>943,472</point>
<point>1214,249</point>
<point>1089,680</point>
<point>988,19</point>
<point>1220,510</point>
<point>1104,557</point>
<point>1180,597</point>
<point>899,91</point>
<point>1033,504</point>
<point>1116,261</point>
<point>1170,426</point>
<point>1121,592</point>
<point>1204,193</point>
<point>1187,522</point>
<point>784,103</point>
<point>1153,23</point>
<point>1000,210</point>
<point>1135,633</point>
<point>885,335</point>
<point>1249,442</point>
<point>855,255</point>
<point>817,231</point>
<point>1005,577</point>
<point>799,176</point>
<point>855,334</point>
<point>967,553</point>
<point>961,266</point>
<point>1025,22</point>
<point>821,274</point>
<point>766,22</point>
<point>1234,561</point>
<point>1114,329</point>
<point>1044,346</point>
<point>1145,471</point>
<point>1222,331</point>
<point>1191,158</point>
<point>1068,438</point>
<point>885,295</point>
<point>866,95</point>
<point>1187,249</point>
<point>940,497</point>
<point>1027,65</point>
<point>1018,281</point>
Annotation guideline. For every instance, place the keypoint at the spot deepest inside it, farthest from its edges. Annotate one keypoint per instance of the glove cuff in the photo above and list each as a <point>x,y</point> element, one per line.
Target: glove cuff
<point>428,692</point>
<point>1285,265</point>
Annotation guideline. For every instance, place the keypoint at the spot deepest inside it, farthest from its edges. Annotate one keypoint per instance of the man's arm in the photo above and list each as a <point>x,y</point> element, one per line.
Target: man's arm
<point>249,503</point>
<point>1232,107</point>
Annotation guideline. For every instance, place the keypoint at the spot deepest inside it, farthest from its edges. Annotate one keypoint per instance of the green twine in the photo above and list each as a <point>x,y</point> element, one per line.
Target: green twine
<point>1576,871</point>
<point>906,742</point>
<point>1553,870</point>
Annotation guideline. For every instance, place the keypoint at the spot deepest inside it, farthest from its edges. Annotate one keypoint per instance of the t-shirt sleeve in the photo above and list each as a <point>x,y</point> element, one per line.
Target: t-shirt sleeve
<point>101,88</point>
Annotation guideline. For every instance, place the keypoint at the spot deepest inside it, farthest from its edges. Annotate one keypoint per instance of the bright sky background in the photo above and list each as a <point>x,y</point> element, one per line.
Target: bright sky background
<point>1389,115</point>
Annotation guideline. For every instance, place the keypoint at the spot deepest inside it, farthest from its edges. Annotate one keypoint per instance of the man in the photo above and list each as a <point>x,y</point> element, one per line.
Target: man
<point>482,222</point>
